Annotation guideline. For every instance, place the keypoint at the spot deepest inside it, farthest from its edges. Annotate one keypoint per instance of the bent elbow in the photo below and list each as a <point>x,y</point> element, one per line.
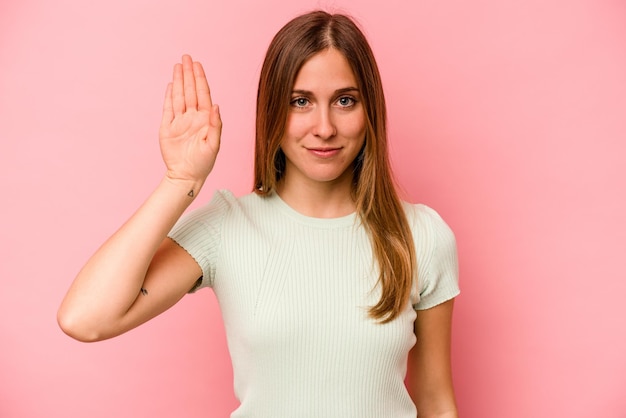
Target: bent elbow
<point>78,330</point>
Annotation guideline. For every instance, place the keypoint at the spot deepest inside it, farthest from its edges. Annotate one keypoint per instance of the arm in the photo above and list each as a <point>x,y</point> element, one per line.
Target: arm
<point>430,375</point>
<point>138,272</point>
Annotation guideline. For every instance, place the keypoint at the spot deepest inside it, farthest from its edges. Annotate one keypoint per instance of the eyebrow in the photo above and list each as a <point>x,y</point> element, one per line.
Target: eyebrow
<point>339,91</point>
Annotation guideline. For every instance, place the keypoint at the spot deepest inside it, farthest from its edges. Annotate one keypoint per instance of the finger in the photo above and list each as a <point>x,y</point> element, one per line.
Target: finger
<point>216,119</point>
<point>178,98</point>
<point>214,135</point>
<point>168,110</point>
<point>189,83</point>
<point>202,88</point>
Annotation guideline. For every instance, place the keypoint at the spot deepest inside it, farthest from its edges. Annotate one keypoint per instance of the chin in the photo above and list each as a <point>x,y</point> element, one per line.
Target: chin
<point>331,177</point>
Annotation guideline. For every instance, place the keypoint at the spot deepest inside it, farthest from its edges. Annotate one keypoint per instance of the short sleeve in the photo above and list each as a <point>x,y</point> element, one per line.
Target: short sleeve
<point>437,261</point>
<point>199,233</point>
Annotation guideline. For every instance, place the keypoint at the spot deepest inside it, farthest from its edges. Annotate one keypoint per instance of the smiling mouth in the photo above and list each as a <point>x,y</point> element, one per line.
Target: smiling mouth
<point>324,152</point>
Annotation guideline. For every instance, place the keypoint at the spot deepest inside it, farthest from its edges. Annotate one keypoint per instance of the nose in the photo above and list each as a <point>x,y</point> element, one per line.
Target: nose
<point>324,127</point>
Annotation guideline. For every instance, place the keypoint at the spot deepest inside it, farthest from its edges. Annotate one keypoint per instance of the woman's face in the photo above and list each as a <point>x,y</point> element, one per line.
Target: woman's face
<point>326,122</point>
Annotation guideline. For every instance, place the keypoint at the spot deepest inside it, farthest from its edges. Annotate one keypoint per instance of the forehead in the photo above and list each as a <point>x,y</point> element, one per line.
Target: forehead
<point>328,70</point>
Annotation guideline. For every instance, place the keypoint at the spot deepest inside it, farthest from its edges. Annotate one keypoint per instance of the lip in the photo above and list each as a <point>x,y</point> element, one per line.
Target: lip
<point>324,152</point>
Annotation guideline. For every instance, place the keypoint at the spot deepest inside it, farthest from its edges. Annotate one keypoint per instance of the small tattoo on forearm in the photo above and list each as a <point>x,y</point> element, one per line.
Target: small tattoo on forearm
<point>190,194</point>
<point>144,291</point>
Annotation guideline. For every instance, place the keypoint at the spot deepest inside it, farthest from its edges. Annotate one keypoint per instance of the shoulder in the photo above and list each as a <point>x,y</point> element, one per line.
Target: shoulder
<point>222,203</point>
<point>233,215</point>
<point>427,226</point>
<point>436,256</point>
<point>208,219</point>
<point>248,202</point>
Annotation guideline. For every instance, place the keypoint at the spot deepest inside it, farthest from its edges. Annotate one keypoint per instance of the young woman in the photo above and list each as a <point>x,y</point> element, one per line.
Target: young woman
<point>330,286</point>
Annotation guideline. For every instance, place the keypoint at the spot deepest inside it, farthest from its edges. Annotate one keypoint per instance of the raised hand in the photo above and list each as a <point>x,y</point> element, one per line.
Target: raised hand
<point>138,273</point>
<point>191,126</point>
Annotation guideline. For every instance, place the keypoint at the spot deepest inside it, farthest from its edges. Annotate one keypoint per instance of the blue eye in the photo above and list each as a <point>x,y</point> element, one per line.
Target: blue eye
<point>346,101</point>
<point>300,102</point>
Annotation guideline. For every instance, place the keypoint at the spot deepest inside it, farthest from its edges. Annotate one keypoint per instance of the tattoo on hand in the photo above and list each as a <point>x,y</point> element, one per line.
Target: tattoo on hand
<point>190,194</point>
<point>144,291</point>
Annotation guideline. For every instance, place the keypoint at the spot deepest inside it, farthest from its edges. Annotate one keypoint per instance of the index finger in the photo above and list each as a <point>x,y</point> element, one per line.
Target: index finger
<point>203,92</point>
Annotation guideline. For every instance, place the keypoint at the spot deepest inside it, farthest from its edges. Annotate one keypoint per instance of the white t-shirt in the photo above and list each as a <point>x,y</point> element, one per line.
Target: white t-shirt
<point>294,293</point>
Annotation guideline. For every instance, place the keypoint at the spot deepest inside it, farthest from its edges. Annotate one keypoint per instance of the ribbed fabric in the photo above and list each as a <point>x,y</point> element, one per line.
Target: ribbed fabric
<point>294,293</point>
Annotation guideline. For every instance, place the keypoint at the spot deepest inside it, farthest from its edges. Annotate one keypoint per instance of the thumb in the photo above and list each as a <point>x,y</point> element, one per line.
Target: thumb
<point>215,122</point>
<point>215,119</point>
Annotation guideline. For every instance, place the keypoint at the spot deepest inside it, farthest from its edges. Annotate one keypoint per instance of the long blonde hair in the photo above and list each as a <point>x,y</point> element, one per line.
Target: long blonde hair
<point>377,202</point>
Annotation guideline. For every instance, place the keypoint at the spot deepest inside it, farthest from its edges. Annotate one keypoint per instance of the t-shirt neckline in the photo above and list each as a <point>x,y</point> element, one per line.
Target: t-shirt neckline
<point>348,220</point>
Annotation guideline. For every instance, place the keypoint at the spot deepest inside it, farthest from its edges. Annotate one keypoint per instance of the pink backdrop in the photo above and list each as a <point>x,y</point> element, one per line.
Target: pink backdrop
<point>508,117</point>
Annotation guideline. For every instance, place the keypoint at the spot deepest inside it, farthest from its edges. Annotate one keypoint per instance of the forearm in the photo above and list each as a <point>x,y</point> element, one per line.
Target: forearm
<point>439,403</point>
<point>111,280</point>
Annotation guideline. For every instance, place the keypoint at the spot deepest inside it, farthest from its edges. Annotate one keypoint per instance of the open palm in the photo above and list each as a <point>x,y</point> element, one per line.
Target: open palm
<point>191,127</point>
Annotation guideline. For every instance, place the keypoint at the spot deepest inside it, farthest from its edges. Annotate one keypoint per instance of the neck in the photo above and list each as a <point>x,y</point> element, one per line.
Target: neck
<point>318,200</point>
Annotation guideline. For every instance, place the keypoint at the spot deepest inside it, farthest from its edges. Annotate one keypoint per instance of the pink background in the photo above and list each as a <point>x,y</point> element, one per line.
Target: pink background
<point>508,117</point>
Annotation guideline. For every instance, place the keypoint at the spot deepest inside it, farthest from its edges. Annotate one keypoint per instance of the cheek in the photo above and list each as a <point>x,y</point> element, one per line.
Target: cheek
<point>355,126</point>
<point>296,126</point>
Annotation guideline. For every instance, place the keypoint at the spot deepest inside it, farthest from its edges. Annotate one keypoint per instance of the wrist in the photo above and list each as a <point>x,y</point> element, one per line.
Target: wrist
<point>189,188</point>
